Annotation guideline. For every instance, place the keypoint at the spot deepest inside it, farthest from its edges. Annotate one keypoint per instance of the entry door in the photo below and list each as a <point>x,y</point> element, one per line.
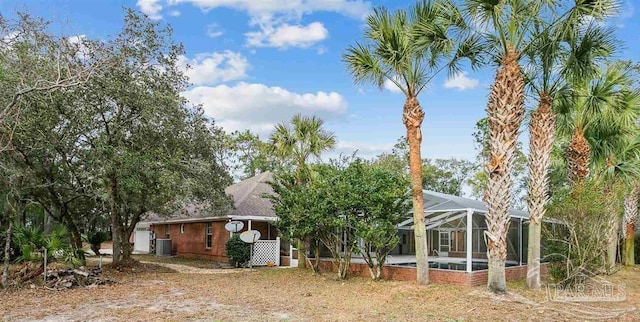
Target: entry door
<point>445,243</point>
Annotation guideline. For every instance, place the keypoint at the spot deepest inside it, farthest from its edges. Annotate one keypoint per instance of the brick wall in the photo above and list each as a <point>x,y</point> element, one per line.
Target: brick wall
<point>440,276</point>
<point>191,243</point>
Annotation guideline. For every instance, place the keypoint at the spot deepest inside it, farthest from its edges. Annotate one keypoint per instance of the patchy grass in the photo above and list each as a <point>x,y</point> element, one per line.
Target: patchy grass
<point>192,262</point>
<point>293,295</point>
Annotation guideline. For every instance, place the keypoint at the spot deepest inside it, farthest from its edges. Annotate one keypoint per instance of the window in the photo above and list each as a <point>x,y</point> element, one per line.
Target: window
<point>182,229</point>
<point>458,241</point>
<point>167,230</point>
<point>209,233</point>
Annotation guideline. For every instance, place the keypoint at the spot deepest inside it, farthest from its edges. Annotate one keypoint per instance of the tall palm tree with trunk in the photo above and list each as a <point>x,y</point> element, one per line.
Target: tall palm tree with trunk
<point>408,49</point>
<point>567,50</point>
<point>508,28</point>
<point>304,138</point>
<point>600,116</point>
<point>622,167</point>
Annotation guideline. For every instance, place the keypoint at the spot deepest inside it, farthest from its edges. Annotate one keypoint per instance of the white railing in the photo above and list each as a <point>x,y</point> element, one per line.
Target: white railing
<point>265,251</point>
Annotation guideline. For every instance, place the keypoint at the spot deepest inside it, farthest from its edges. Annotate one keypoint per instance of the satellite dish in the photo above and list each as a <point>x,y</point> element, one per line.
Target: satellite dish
<point>250,236</point>
<point>234,226</point>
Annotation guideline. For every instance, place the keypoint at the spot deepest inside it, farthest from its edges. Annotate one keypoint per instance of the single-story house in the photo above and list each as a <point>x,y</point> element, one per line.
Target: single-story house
<point>455,229</point>
<point>195,233</point>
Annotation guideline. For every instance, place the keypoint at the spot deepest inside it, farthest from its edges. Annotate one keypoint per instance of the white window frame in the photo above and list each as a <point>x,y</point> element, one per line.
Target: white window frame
<point>208,231</point>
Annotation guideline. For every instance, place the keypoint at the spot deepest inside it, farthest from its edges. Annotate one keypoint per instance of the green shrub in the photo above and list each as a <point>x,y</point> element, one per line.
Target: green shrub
<point>238,251</point>
<point>578,244</point>
<point>31,243</point>
<point>95,240</point>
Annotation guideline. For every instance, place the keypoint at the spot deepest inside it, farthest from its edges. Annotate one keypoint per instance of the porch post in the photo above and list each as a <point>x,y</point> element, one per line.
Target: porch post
<point>520,241</point>
<point>277,251</point>
<point>469,238</point>
<point>249,225</point>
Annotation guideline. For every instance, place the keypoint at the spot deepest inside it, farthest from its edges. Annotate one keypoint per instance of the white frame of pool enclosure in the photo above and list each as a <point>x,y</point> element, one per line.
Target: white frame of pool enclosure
<point>442,210</point>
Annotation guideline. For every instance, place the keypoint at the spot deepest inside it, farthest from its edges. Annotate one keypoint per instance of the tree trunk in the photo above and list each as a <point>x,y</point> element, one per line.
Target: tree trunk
<point>629,245</point>
<point>534,280</point>
<point>578,156</point>
<point>302,258</point>
<point>116,227</point>
<point>7,255</point>
<point>48,222</point>
<point>75,238</point>
<point>541,137</point>
<point>413,115</point>
<point>316,253</point>
<point>505,112</point>
<point>127,232</point>
<point>612,245</point>
<point>630,217</point>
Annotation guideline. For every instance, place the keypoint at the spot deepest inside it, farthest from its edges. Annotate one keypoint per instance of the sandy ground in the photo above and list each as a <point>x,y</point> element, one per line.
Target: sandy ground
<point>177,292</point>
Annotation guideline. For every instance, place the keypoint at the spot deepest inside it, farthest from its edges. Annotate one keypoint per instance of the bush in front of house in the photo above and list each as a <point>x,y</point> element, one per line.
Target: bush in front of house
<point>238,251</point>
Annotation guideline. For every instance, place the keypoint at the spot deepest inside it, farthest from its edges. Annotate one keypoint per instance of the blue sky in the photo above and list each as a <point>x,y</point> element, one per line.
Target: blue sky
<point>256,63</point>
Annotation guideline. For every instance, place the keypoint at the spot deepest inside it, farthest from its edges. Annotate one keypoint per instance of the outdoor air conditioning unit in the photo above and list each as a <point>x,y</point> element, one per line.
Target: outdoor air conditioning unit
<point>163,247</point>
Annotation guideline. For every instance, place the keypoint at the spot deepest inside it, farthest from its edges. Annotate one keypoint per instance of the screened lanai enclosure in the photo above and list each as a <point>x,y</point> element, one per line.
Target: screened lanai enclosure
<point>455,229</point>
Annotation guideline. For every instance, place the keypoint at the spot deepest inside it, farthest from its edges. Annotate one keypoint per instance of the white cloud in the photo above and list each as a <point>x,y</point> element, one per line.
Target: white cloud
<point>461,82</point>
<point>284,35</point>
<point>211,68</point>
<point>626,12</point>
<point>321,50</point>
<point>365,150</point>
<point>279,21</point>
<point>258,107</point>
<point>214,31</point>
<point>352,8</point>
<point>151,8</point>
<point>174,13</point>
<point>390,86</point>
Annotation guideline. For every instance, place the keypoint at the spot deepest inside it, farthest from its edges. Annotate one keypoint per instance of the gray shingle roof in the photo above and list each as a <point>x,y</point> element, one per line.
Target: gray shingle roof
<point>247,200</point>
<point>248,196</point>
<point>436,201</point>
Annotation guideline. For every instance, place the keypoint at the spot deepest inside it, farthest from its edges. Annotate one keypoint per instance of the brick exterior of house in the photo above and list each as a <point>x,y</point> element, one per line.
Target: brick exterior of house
<point>191,243</point>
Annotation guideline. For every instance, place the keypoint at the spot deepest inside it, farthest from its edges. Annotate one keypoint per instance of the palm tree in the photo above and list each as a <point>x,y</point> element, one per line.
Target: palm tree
<point>296,145</point>
<point>622,167</point>
<point>408,49</point>
<point>556,54</point>
<point>508,28</point>
<point>600,116</point>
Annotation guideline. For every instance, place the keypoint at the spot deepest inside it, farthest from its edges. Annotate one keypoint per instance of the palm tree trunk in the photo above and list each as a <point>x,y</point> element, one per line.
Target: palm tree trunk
<point>612,244</point>
<point>413,115</point>
<point>541,136</point>
<point>578,156</point>
<point>505,112</point>
<point>630,217</point>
